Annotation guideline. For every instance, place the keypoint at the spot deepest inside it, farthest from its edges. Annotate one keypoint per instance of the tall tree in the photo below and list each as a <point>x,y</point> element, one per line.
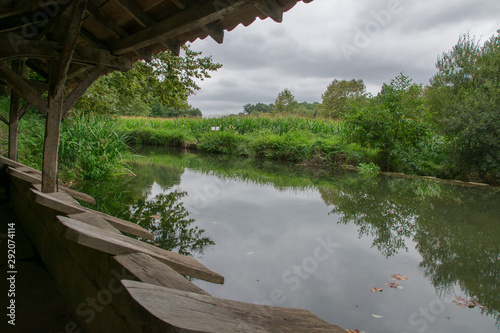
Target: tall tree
<point>338,95</point>
<point>285,102</point>
<point>465,102</point>
<point>166,79</point>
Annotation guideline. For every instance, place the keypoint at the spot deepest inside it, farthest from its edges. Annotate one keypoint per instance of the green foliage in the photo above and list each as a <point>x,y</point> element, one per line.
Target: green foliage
<point>339,95</point>
<point>393,123</point>
<point>465,103</point>
<point>226,142</point>
<point>163,111</point>
<point>285,102</point>
<point>368,169</point>
<point>167,79</point>
<point>257,108</point>
<point>90,147</point>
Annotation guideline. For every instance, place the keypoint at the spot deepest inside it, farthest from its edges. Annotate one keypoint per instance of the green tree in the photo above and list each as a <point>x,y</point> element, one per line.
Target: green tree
<point>392,123</point>
<point>338,96</point>
<point>285,102</point>
<point>166,79</point>
<point>258,108</point>
<point>465,103</point>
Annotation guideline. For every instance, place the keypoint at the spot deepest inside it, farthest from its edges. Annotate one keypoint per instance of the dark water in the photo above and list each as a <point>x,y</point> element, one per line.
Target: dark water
<point>319,240</point>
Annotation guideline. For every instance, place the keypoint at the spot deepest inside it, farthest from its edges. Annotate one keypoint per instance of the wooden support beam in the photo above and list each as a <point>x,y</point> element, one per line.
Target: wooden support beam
<point>2,118</point>
<point>84,84</point>
<point>15,100</point>
<point>271,8</point>
<point>23,88</point>
<point>72,20</point>
<point>52,134</point>
<point>24,109</point>
<point>202,13</point>
<point>95,56</point>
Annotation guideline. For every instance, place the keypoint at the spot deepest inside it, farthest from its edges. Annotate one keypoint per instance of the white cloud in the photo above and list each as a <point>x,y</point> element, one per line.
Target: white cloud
<point>304,52</point>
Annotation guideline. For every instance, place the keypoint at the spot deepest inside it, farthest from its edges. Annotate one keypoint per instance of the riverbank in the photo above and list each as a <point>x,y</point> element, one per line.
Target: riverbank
<point>311,142</point>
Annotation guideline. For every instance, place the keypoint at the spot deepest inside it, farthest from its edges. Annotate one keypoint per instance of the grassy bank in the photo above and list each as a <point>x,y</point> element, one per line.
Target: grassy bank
<point>308,141</point>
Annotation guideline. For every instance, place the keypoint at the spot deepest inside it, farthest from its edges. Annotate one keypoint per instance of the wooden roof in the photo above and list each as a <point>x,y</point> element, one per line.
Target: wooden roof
<point>115,33</point>
<point>70,43</point>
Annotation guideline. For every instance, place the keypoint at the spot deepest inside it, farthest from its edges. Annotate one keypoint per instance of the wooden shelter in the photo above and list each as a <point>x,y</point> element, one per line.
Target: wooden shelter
<point>71,43</point>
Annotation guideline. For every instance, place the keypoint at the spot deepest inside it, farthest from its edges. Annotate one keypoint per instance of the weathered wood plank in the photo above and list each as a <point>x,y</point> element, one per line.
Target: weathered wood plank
<point>123,225</point>
<point>34,176</point>
<point>115,244</point>
<point>47,200</point>
<point>147,269</point>
<point>94,220</point>
<point>77,195</point>
<point>24,176</point>
<point>163,309</point>
<point>67,208</point>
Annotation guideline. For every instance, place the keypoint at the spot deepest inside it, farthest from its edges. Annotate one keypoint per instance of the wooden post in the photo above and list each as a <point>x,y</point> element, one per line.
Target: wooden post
<point>13,124</point>
<point>71,18</point>
<point>15,99</point>
<point>51,143</point>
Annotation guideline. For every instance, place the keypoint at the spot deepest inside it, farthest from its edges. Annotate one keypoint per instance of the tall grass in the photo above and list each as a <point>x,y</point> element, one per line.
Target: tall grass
<point>294,139</point>
<point>241,125</point>
<point>90,147</point>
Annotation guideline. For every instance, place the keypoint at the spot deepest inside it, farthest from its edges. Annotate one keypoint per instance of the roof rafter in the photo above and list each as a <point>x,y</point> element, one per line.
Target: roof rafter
<point>200,14</point>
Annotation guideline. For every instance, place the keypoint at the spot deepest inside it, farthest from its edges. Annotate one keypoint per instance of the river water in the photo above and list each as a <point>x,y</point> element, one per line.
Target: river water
<point>323,240</point>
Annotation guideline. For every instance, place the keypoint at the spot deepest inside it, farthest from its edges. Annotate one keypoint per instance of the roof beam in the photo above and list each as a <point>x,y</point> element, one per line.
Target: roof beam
<point>23,88</point>
<point>271,8</point>
<point>80,89</point>
<point>110,25</point>
<point>202,13</point>
<point>15,7</point>
<point>137,13</point>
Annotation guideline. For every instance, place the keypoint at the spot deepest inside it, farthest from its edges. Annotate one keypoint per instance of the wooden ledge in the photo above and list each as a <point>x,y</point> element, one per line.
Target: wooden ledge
<point>51,201</point>
<point>147,269</point>
<point>116,244</point>
<point>161,309</point>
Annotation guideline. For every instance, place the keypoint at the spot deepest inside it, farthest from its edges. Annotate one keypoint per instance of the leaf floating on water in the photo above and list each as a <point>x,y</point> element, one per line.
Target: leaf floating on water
<point>375,289</point>
<point>459,304</point>
<point>249,253</point>
<point>376,316</point>
<point>398,277</point>
<point>467,304</point>
<point>392,284</point>
<point>352,331</point>
<point>400,287</point>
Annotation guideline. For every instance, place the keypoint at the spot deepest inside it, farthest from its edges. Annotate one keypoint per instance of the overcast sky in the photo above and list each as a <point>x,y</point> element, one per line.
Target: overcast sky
<point>372,40</point>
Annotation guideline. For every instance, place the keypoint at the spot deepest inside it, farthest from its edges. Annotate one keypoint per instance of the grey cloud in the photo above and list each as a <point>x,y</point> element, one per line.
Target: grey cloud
<point>304,52</point>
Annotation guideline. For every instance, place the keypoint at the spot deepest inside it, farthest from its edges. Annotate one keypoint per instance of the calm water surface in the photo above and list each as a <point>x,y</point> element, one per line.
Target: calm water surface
<point>285,235</point>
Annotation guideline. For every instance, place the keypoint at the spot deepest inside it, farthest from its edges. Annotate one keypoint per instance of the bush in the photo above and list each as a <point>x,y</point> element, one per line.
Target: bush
<point>392,123</point>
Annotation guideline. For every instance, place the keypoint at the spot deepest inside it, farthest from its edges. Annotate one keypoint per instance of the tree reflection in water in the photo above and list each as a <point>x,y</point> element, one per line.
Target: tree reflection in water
<point>164,214</point>
<point>167,218</point>
<point>455,229</point>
